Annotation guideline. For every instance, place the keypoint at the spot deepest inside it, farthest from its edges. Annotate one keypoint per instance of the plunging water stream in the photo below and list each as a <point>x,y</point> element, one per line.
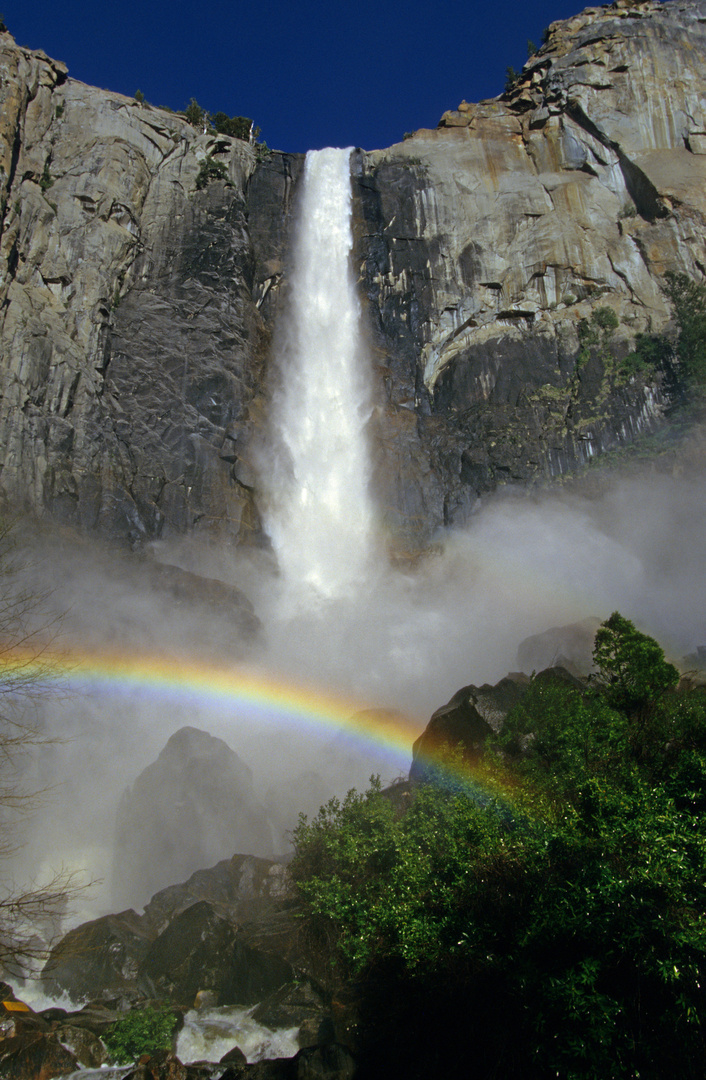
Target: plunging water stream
<point>319,514</point>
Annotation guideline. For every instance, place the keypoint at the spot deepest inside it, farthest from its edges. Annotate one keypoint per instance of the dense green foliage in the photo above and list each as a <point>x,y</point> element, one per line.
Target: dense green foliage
<point>238,127</point>
<point>651,352</point>
<point>194,113</point>
<point>569,912</point>
<point>140,1032</point>
<point>596,333</point>
<point>632,666</point>
<point>688,300</point>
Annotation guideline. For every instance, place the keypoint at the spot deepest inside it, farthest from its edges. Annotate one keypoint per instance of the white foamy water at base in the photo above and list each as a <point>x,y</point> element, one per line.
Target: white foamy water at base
<point>208,1034</point>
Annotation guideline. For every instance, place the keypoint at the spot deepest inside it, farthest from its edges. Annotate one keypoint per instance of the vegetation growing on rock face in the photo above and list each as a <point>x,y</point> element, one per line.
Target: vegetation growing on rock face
<point>237,127</point>
<point>688,300</point>
<point>210,169</point>
<point>547,911</point>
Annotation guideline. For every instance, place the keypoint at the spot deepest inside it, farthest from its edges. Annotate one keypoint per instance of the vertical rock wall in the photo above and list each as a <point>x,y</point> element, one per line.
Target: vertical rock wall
<point>137,311</point>
<point>484,244</point>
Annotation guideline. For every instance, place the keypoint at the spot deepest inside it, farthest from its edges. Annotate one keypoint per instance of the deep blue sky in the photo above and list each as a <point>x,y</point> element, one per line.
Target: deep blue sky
<point>311,74</point>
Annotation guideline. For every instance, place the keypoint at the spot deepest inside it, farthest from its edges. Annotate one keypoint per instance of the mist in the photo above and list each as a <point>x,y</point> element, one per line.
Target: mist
<point>405,641</point>
<point>307,616</point>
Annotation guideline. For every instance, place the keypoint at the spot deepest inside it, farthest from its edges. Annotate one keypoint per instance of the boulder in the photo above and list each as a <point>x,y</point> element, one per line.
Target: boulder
<point>472,714</point>
<point>329,1062</point>
<point>193,953</point>
<point>465,722</point>
<point>302,1003</point>
<point>35,1056</point>
<point>570,647</point>
<point>161,1065</point>
<point>262,960</point>
<point>86,1047</point>
<point>98,957</point>
<point>97,1017</point>
<point>191,807</point>
<point>240,889</point>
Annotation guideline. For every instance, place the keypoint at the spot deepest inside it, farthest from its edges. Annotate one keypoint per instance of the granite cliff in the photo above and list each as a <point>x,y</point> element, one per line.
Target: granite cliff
<point>137,310</point>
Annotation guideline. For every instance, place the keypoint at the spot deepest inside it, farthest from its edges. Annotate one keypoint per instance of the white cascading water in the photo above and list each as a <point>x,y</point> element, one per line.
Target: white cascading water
<point>319,514</point>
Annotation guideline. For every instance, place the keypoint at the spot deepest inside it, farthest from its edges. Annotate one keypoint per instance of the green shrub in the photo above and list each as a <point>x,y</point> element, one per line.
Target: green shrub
<point>651,352</point>
<point>512,78</point>
<point>556,893</point>
<point>632,666</point>
<point>46,180</point>
<point>139,97</point>
<point>194,113</point>
<point>210,169</point>
<point>140,1032</point>
<point>605,318</point>
<point>688,300</point>
<point>238,127</point>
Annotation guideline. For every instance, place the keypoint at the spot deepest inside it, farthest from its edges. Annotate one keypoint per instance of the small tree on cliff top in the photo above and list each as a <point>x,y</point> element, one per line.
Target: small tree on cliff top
<point>632,666</point>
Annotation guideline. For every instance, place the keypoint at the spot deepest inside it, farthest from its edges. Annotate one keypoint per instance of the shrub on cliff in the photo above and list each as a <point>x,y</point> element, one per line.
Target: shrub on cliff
<point>210,169</point>
<point>555,895</point>
<point>238,127</point>
<point>688,300</point>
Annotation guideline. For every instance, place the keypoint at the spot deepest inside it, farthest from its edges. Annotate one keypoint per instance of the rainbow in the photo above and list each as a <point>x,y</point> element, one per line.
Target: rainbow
<point>253,693</point>
<point>248,693</point>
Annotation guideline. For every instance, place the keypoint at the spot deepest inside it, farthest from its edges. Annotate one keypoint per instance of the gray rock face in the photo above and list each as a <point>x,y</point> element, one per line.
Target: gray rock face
<point>192,806</point>
<point>131,344</point>
<point>137,311</point>
<point>104,953</point>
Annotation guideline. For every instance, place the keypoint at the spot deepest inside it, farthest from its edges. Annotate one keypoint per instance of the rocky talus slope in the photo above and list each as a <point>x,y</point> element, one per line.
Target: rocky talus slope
<point>137,310</point>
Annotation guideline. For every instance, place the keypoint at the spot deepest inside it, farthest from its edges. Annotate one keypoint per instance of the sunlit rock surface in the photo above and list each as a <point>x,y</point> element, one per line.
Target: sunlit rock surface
<point>138,311</point>
<point>483,243</point>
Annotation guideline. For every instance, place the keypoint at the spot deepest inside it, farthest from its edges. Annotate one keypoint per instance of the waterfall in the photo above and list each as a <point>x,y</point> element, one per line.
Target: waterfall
<point>319,514</point>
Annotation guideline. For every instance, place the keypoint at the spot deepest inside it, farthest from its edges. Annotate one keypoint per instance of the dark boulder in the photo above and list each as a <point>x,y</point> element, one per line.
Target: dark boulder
<point>302,1004</point>
<point>242,888</point>
<point>97,1017</point>
<point>465,722</point>
<point>190,808</point>
<point>234,1057</point>
<point>16,1018</point>
<point>260,962</point>
<point>99,956</point>
<point>161,1065</point>
<point>472,715</point>
<point>193,953</point>
<point>329,1062</point>
<point>35,1056</point>
<point>86,1047</point>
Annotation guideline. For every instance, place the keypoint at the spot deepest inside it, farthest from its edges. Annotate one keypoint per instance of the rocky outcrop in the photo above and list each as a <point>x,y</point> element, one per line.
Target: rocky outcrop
<point>137,308</point>
<point>192,806</point>
<point>465,722</point>
<point>100,955</point>
<point>484,244</point>
<point>131,344</point>
<point>570,647</point>
<point>227,931</point>
<point>240,889</point>
<point>473,714</point>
